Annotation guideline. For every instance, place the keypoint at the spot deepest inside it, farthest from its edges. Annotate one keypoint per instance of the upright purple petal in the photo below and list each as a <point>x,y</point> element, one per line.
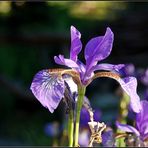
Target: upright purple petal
<point>129,85</point>
<point>142,120</point>
<point>91,47</point>
<point>67,62</point>
<point>127,128</point>
<point>81,69</point>
<point>48,89</point>
<point>76,44</point>
<point>98,48</point>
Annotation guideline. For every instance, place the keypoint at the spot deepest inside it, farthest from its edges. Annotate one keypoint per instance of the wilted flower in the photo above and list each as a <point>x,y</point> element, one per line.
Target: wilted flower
<point>96,132</point>
<point>84,134</point>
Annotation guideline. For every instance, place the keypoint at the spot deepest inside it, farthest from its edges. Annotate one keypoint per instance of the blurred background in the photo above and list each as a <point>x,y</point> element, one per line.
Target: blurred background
<point>31,33</point>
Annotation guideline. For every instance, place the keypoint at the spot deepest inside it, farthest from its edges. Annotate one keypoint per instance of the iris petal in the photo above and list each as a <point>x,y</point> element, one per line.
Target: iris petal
<point>67,62</point>
<point>76,44</point>
<point>109,67</point>
<point>48,89</point>
<point>127,128</point>
<point>142,119</point>
<point>129,85</point>
<point>98,48</point>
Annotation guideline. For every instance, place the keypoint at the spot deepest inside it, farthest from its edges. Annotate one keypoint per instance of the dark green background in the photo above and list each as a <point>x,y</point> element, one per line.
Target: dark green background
<point>31,33</point>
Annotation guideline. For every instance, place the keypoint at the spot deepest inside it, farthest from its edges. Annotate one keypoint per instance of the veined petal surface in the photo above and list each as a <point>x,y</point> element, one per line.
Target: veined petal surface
<point>129,85</point>
<point>48,88</point>
<point>98,48</point>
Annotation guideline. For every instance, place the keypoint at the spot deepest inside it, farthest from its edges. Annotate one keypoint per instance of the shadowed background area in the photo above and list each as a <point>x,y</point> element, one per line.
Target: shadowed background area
<point>31,33</point>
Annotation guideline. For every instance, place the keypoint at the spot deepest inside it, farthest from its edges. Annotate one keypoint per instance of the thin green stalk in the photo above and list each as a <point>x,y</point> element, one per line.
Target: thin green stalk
<point>81,93</point>
<point>70,128</point>
<point>123,118</point>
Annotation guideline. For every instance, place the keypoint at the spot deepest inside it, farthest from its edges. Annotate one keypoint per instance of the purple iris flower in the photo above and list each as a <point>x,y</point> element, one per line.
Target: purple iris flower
<point>141,129</point>
<point>96,49</point>
<point>48,85</point>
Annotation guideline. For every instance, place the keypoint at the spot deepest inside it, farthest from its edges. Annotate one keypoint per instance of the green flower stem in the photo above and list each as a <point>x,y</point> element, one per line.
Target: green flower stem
<point>81,93</point>
<point>70,128</point>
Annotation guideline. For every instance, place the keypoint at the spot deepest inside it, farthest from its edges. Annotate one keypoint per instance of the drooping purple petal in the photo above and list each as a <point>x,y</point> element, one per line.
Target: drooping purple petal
<point>127,128</point>
<point>129,85</point>
<point>142,120</point>
<point>98,48</point>
<point>67,62</point>
<point>76,44</point>
<point>48,89</point>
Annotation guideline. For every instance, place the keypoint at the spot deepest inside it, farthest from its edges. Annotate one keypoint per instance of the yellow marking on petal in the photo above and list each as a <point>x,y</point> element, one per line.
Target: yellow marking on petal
<point>60,72</point>
<point>106,74</point>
